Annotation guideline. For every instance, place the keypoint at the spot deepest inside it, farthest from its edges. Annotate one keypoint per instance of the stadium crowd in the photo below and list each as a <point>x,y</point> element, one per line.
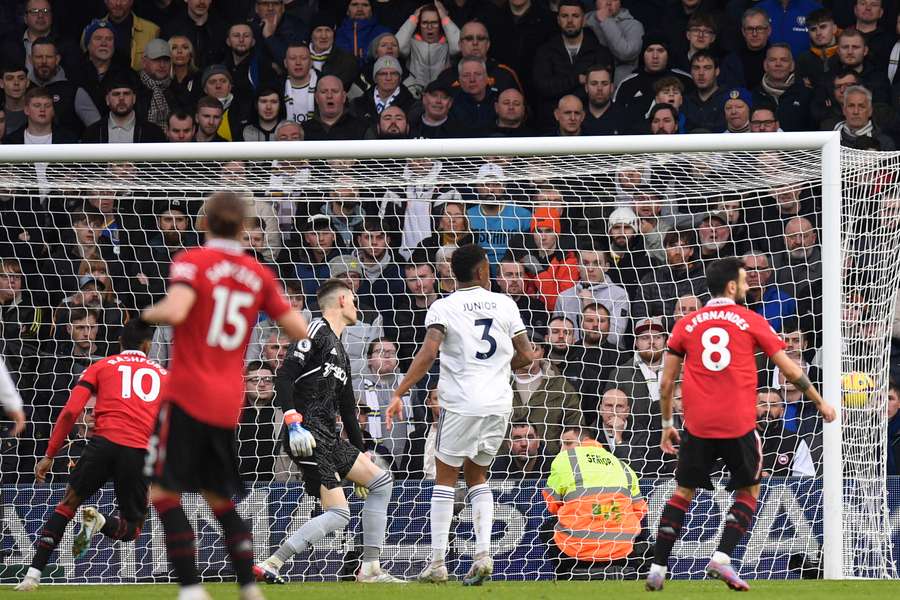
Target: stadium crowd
<point>601,271</point>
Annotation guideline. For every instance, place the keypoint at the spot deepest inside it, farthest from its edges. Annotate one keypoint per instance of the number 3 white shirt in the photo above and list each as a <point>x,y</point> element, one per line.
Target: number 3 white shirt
<point>478,329</point>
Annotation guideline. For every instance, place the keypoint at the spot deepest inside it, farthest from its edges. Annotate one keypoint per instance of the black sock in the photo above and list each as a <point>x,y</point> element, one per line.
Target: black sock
<point>737,522</point>
<point>239,541</point>
<point>670,523</point>
<point>180,544</point>
<point>117,528</point>
<point>50,535</point>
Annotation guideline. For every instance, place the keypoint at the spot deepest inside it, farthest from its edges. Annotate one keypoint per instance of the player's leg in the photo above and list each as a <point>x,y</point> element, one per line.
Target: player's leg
<point>50,535</point>
<point>491,431</point>
<point>380,486</point>
<point>443,497</point>
<point>482,500</point>
<point>743,457</point>
<point>131,487</point>
<point>320,480</point>
<point>695,459</point>
<point>238,541</point>
<point>173,462</point>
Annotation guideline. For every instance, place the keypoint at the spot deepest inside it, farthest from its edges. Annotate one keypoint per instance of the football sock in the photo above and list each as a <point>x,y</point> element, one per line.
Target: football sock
<point>482,500</point>
<point>180,543</point>
<point>238,540</point>
<point>50,535</point>
<point>118,528</point>
<point>312,531</point>
<point>670,523</point>
<point>737,522</point>
<point>442,499</point>
<point>374,515</point>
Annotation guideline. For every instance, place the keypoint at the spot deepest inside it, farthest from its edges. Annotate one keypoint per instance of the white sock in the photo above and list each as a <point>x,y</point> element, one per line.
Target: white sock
<point>190,592</point>
<point>654,568</point>
<point>482,500</point>
<point>33,573</point>
<point>721,558</point>
<point>442,499</point>
<point>275,562</point>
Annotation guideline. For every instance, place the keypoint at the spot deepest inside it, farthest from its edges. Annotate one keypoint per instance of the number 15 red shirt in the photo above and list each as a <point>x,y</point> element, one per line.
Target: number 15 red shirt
<point>207,369</point>
<point>718,343</point>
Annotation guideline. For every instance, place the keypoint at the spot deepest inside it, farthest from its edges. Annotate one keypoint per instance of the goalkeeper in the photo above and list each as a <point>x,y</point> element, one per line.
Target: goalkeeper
<point>311,384</point>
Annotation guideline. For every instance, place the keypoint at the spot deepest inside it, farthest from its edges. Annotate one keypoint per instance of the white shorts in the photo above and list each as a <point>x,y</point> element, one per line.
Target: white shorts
<point>474,437</point>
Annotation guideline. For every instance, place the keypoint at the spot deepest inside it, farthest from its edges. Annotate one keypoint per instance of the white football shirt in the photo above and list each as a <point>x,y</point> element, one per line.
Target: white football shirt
<point>478,329</point>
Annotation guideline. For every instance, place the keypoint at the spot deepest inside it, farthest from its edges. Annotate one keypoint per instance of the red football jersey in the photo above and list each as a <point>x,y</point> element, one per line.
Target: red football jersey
<point>127,387</point>
<point>207,365</point>
<point>718,343</point>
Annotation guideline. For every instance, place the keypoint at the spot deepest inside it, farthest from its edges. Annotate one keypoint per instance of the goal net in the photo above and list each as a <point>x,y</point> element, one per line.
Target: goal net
<point>602,250</point>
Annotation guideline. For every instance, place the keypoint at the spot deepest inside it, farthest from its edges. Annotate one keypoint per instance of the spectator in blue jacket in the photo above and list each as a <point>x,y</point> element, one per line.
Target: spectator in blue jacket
<point>496,225</point>
<point>788,19</point>
<point>358,30</point>
<point>764,297</point>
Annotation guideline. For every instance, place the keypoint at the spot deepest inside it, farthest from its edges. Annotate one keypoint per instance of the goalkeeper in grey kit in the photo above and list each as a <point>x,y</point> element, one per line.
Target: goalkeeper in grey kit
<point>311,387</point>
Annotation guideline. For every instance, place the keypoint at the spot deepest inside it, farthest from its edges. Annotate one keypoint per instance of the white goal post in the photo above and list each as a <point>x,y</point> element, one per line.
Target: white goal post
<point>839,547</point>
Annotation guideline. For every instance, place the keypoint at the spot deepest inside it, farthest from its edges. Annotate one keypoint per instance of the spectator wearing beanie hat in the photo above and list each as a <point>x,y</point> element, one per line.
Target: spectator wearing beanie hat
<point>736,107</point>
<point>555,270</point>
<point>216,82</point>
<point>97,63</point>
<point>635,94</point>
<point>386,91</point>
<point>629,261</point>
<point>327,58</point>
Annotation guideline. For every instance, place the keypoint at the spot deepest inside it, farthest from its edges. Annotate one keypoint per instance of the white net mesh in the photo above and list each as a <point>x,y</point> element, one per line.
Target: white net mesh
<point>589,246</point>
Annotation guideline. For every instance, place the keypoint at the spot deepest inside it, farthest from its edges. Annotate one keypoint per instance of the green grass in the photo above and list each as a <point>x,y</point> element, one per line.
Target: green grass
<point>531,590</point>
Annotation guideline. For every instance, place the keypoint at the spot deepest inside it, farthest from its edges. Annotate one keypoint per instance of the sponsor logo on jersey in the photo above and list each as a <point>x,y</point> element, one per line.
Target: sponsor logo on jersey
<point>339,373</point>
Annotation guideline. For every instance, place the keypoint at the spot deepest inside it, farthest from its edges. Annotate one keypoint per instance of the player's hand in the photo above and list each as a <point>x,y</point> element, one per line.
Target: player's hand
<point>670,439</point>
<point>42,468</point>
<point>361,490</point>
<point>394,409</point>
<point>18,419</point>
<point>828,412</point>
<point>300,439</point>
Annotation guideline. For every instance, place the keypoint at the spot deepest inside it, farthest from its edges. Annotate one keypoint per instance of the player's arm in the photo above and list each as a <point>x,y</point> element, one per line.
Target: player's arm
<point>11,401</point>
<point>795,374</point>
<point>420,366</point>
<point>174,308</point>
<point>293,324</point>
<point>290,395</point>
<point>671,372</point>
<point>349,417</point>
<point>78,399</point>
<point>524,354</point>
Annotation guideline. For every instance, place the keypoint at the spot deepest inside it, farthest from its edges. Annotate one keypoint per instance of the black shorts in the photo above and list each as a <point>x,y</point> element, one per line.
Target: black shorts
<point>696,457</point>
<point>103,460</point>
<point>328,466</point>
<point>186,455</point>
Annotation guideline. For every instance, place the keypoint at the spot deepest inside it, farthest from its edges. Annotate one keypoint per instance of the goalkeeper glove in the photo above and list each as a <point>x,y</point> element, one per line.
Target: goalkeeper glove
<point>360,490</point>
<point>300,440</point>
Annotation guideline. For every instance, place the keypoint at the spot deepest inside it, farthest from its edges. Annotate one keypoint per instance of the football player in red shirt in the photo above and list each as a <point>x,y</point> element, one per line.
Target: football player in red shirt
<point>716,345</point>
<point>214,298</point>
<point>127,389</point>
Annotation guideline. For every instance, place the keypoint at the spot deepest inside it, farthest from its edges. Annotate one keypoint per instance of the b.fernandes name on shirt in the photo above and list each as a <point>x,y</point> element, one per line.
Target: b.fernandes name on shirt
<point>718,315</point>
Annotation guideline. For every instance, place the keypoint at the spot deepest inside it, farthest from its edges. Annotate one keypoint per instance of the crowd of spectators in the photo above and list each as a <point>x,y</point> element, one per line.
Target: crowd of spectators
<point>600,270</point>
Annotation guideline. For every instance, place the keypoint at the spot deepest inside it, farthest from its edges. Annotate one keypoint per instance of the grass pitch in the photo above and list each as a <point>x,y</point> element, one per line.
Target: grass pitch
<point>529,590</point>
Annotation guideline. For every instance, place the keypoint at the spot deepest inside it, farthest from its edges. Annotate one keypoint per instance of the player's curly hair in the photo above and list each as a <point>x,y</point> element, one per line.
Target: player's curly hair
<point>464,261</point>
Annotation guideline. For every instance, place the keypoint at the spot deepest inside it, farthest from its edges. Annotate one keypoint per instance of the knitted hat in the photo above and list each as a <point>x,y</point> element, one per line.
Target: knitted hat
<point>739,93</point>
<point>320,19</point>
<point>546,218</point>
<point>622,216</point>
<point>214,70</point>
<point>92,28</point>
<point>387,62</point>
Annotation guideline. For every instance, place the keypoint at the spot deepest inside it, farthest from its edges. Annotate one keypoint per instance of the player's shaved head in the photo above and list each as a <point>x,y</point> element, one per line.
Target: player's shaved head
<point>225,213</point>
<point>330,291</point>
